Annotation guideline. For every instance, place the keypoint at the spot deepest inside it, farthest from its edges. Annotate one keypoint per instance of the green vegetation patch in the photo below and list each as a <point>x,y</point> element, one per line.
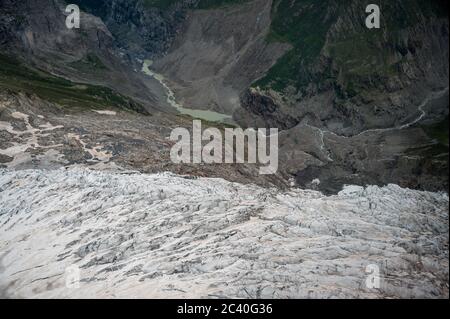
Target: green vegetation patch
<point>97,7</point>
<point>202,4</point>
<point>90,62</point>
<point>214,4</point>
<point>439,132</point>
<point>359,53</point>
<point>161,4</point>
<point>304,24</point>
<point>20,78</point>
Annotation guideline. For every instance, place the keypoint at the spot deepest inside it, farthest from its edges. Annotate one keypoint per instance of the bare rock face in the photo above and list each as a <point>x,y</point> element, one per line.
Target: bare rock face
<point>143,29</point>
<point>43,30</point>
<point>267,110</point>
<point>218,53</point>
<point>166,236</point>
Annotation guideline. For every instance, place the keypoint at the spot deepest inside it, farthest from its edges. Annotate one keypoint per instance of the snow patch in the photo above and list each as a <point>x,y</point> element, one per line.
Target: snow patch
<point>105,112</point>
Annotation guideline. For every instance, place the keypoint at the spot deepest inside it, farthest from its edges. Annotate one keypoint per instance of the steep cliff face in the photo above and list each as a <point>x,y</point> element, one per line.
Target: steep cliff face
<point>36,30</point>
<point>346,77</point>
<point>144,28</point>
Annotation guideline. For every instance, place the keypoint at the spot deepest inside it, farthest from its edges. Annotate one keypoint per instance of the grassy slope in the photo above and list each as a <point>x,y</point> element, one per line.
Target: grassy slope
<point>97,7</point>
<point>20,78</point>
<point>90,62</point>
<point>161,4</point>
<point>439,132</point>
<point>203,4</point>
<point>212,4</point>
<point>305,24</point>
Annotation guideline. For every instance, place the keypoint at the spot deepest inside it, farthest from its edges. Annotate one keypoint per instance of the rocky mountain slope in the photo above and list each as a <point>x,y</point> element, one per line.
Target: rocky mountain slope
<point>34,32</point>
<point>313,61</point>
<point>313,70</point>
<point>144,27</point>
<point>219,53</point>
<point>346,77</point>
<point>356,106</point>
<point>164,236</point>
<point>36,133</point>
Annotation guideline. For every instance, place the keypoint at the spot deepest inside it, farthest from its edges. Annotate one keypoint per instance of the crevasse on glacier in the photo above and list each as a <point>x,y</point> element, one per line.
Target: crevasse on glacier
<point>136,235</point>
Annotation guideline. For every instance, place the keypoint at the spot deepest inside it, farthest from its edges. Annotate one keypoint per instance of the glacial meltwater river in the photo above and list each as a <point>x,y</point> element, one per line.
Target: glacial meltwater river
<point>195,113</point>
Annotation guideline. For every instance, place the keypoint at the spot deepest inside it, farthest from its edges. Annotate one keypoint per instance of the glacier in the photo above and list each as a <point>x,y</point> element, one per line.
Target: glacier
<point>134,235</point>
